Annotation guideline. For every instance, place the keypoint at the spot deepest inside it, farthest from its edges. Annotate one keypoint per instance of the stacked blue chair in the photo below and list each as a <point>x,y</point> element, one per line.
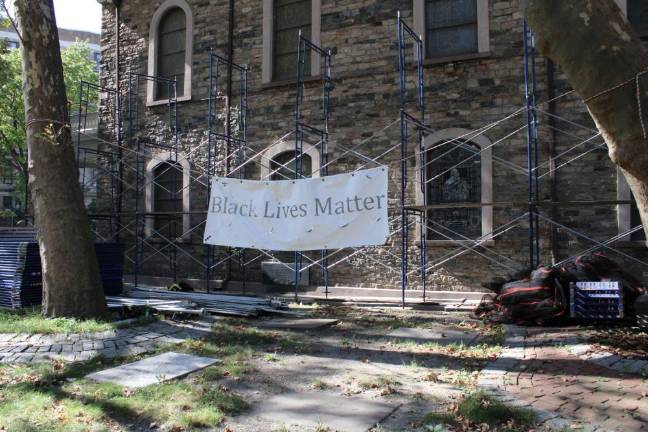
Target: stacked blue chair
<point>597,300</point>
<point>21,282</point>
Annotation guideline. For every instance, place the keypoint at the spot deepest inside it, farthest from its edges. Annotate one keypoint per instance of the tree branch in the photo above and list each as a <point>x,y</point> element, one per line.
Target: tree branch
<point>3,5</point>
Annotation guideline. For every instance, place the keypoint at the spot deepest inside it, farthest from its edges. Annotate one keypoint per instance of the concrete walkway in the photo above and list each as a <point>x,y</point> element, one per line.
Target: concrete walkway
<point>34,348</point>
<point>540,369</point>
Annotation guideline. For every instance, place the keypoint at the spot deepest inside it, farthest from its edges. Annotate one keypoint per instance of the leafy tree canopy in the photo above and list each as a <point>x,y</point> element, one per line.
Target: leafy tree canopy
<point>78,65</point>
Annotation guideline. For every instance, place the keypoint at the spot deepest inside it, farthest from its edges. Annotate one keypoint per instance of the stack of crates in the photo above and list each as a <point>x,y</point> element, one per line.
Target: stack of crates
<point>596,300</point>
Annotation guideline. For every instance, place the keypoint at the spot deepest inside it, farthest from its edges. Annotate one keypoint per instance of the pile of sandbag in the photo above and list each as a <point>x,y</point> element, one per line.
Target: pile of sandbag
<point>541,296</point>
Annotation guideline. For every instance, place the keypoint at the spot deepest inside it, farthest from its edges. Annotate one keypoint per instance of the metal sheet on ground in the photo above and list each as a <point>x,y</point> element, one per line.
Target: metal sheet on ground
<point>153,370</point>
<point>339,413</point>
<point>297,324</point>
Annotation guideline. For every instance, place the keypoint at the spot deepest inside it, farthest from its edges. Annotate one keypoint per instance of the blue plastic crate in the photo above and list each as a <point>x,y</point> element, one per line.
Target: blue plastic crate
<point>596,300</point>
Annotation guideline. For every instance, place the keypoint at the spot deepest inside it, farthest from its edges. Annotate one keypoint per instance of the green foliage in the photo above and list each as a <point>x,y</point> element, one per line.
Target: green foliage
<point>56,398</point>
<point>479,407</point>
<point>78,65</point>
<point>12,115</point>
<point>4,19</point>
<point>7,214</point>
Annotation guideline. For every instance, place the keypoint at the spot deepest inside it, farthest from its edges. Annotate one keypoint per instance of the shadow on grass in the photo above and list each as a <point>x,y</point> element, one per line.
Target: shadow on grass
<point>178,402</point>
<point>479,408</point>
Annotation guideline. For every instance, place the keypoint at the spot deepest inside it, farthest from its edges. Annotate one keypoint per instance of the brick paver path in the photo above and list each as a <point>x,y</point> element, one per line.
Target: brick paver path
<point>542,373</point>
<point>25,348</point>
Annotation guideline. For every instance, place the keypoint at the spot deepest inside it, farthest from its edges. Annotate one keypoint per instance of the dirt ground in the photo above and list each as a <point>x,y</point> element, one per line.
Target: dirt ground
<point>355,358</point>
<point>377,367</point>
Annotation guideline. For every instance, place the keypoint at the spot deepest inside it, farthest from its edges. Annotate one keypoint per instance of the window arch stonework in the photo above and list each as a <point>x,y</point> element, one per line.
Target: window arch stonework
<point>285,147</point>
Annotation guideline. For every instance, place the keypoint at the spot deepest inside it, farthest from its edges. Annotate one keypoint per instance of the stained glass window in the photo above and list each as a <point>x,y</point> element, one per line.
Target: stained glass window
<point>451,27</point>
<point>454,176</point>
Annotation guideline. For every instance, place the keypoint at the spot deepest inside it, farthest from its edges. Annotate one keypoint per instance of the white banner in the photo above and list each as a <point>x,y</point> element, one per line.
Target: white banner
<point>334,212</point>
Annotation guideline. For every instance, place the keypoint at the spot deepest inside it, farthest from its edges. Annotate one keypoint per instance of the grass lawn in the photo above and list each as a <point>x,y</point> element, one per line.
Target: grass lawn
<point>479,408</point>
<point>55,396</point>
<point>31,321</point>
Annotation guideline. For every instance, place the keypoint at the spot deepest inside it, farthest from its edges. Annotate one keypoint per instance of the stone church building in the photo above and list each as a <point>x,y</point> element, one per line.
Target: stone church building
<point>473,169</point>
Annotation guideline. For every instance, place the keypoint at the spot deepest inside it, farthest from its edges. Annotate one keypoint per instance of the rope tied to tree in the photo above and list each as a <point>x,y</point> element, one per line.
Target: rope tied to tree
<point>51,122</point>
<point>641,117</point>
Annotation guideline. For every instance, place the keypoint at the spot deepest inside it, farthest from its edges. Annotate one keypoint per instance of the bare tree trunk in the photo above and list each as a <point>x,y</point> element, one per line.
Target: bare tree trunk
<point>605,62</point>
<point>71,280</point>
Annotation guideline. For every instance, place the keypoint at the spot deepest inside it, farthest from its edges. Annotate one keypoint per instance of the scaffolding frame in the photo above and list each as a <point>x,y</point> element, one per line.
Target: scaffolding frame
<point>235,143</point>
<point>320,130</point>
<point>239,155</point>
<point>404,34</point>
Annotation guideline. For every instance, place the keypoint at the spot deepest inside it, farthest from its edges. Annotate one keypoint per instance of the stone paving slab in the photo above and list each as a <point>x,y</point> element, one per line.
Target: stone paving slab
<point>440,336</point>
<point>153,370</point>
<point>339,413</point>
<point>297,324</point>
<point>20,348</point>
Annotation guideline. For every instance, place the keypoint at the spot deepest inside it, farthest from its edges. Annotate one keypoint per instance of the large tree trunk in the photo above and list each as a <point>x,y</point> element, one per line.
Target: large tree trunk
<point>71,280</point>
<point>603,58</point>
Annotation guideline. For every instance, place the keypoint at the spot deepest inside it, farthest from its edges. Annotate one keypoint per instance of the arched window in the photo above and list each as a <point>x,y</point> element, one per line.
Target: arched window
<point>278,162</point>
<point>453,172</point>
<point>458,175</point>
<point>283,165</point>
<point>167,199</point>
<point>170,51</point>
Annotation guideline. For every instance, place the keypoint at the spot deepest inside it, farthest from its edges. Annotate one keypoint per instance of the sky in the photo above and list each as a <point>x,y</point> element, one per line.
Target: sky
<point>76,14</point>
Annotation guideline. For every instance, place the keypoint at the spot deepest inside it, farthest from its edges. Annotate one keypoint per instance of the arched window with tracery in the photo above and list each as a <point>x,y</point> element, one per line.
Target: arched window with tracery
<point>453,171</point>
<point>459,187</point>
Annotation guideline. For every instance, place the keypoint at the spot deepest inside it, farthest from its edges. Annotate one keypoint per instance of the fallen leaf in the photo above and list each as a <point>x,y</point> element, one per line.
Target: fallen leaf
<point>432,377</point>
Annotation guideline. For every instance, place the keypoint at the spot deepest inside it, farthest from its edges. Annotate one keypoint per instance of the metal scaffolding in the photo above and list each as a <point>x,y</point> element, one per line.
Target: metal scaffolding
<point>123,165</point>
<point>234,138</point>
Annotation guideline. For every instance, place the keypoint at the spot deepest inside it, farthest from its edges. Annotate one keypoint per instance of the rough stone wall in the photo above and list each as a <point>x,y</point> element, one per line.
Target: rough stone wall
<point>466,94</point>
